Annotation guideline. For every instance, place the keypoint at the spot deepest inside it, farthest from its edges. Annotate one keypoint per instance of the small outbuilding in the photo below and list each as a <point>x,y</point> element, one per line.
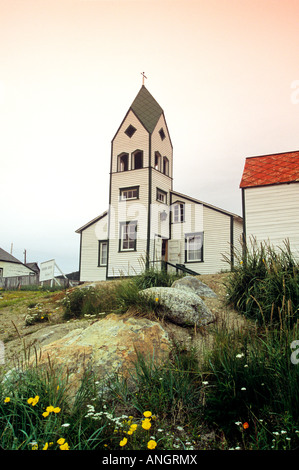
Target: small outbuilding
<point>11,266</point>
<point>270,199</point>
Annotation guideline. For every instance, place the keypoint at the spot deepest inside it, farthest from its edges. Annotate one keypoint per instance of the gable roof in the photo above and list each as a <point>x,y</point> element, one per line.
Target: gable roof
<point>146,109</point>
<point>210,206</point>
<point>271,169</point>
<point>4,256</point>
<point>93,221</point>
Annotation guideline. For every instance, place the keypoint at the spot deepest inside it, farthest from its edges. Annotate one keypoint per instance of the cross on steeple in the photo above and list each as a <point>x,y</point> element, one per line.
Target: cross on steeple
<point>143,77</point>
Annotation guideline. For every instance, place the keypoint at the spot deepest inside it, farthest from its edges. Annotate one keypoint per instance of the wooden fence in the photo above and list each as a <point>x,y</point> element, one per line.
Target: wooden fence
<point>16,282</point>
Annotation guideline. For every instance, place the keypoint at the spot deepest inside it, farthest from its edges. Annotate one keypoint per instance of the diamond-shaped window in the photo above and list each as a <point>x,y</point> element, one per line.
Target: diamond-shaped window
<point>162,134</point>
<point>130,131</point>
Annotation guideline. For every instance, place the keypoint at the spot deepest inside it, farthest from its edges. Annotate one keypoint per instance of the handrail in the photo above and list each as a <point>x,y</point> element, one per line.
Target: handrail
<point>178,267</point>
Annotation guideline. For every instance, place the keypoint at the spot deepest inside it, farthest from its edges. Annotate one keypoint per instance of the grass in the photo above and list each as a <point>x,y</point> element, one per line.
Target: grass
<point>117,296</point>
<point>243,394</point>
<point>264,283</point>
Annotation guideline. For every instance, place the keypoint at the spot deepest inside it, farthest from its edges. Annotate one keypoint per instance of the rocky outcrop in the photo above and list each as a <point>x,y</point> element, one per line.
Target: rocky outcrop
<point>191,283</point>
<point>107,346</point>
<point>181,306</point>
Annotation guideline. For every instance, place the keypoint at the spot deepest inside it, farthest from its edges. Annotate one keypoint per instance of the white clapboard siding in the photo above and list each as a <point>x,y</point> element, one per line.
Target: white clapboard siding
<point>122,143</point>
<point>14,269</point>
<point>90,236</point>
<point>272,214</point>
<point>164,146</point>
<point>216,241</point>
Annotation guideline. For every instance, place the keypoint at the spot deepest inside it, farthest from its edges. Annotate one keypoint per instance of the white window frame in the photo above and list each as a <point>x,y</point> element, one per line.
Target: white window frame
<point>161,196</point>
<point>178,212</point>
<point>128,235</point>
<point>128,194</point>
<point>194,247</point>
<point>102,260</point>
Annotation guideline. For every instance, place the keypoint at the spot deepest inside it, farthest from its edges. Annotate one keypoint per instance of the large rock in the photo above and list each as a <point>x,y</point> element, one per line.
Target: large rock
<point>108,346</point>
<point>182,307</point>
<point>194,285</point>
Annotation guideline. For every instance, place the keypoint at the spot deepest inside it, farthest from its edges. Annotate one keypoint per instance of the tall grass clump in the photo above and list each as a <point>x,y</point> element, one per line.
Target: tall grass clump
<point>155,278</point>
<point>263,282</point>
<point>253,391</point>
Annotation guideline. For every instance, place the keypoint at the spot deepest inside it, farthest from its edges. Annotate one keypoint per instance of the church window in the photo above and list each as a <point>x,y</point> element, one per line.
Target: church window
<point>161,196</point>
<point>166,166</point>
<point>127,240</point>
<point>162,134</point>
<point>157,161</point>
<point>194,247</point>
<point>103,251</point>
<point>178,212</point>
<point>129,193</point>
<point>123,162</point>
<point>137,160</point>
<point>130,131</point>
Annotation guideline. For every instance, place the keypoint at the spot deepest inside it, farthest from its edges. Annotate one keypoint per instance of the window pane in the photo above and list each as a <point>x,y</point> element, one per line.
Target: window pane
<point>128,236</point>
<point>104,254</point>
<point>138,160</point>
<point>194,248</point>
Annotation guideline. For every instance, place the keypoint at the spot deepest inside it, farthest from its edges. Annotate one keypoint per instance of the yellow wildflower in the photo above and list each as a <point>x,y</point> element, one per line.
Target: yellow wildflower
<point>46,446</point>
<point>146,424</point>
<point>123,442</point>
<point>33,401</point>
<point>6,400</point>
<point>151,444</point>
<point>64,446</point>
<point>147,414</point>
<point>57,409</point>
<point>61,441</point>
<point>34,447</point>
<point>45,414</point>
<point>49,409</point>
<point>157,299</point>
<point>133,427</point>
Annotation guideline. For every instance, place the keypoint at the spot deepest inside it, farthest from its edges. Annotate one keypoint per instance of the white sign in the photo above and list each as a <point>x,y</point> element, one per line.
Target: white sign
<point>47,270</point>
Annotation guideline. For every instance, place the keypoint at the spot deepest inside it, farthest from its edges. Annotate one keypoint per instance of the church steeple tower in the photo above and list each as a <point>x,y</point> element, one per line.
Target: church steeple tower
<point>140,181</point>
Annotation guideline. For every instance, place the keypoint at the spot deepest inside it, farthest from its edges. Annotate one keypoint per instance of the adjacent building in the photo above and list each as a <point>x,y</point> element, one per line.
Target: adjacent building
<point>270,198</point>
<point>11,266</point>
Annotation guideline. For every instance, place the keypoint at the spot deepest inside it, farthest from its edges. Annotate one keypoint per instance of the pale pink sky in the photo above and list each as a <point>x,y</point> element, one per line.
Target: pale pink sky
<point>69,70</point>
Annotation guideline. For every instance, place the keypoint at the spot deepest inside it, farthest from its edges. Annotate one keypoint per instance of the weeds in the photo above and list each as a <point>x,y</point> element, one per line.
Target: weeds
<point>264,282</point>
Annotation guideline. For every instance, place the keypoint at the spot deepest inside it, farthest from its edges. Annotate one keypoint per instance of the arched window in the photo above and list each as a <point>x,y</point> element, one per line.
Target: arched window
<point>123,162</point>
<point>165,166</point>
<point>157,161</point>
<point>137,160</point>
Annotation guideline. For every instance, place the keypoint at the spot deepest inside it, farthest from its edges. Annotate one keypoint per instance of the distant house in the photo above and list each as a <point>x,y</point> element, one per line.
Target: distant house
<point>270,199</point>
<point>147,222</point>
<point>11,266</point>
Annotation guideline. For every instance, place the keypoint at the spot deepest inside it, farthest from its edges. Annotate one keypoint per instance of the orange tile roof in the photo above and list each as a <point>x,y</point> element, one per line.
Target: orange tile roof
<point>271,169</point>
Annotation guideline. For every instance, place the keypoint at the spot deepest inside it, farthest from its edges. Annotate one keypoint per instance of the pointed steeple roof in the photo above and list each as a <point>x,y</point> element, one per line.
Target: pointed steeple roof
<point>146,109</point>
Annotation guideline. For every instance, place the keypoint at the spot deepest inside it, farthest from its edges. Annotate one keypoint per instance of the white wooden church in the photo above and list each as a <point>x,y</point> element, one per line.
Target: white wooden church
<point>148,223</point>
